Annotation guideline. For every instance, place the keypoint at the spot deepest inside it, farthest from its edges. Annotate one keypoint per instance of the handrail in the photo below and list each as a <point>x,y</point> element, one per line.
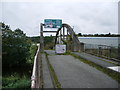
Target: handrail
<point>34,73</point>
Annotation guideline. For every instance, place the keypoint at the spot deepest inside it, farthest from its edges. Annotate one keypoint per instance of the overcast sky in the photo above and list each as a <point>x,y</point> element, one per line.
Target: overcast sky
<point>88,17</point>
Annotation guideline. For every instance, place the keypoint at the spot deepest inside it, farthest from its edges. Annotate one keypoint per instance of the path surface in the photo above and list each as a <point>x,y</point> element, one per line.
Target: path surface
<point>72,73</point>
<point>97,60</point>
<point>100,61</point>
<point>46,74</point>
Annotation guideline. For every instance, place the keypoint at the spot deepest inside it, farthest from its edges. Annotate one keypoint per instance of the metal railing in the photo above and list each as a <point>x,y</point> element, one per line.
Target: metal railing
<point>66,35</point>
<point>35,79</point>
<point>110,52</point>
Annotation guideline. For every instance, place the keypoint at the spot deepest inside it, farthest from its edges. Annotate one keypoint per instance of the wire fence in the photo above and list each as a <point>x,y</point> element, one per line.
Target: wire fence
<point>109,52</point>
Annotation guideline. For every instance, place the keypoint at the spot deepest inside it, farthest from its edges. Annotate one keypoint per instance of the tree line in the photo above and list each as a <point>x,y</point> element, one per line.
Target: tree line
<point>98,35</point>
<point>49,41</point>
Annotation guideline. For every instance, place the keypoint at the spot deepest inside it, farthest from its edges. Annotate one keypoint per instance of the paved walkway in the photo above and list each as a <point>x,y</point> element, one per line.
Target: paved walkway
<point>46,74</point>
<point>72,73</point>
<point>98,60</point>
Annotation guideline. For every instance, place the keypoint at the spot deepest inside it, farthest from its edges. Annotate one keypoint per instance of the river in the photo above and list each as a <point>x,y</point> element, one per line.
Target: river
<point>109,41</point>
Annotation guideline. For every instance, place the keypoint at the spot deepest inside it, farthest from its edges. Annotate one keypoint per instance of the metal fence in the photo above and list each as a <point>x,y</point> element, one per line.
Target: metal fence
<point>109,52</point>
<point>36,74</point>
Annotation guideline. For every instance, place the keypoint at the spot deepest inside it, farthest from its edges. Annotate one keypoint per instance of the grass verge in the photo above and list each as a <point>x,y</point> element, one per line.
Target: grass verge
<point>53,72</point>
<point>113,74</point>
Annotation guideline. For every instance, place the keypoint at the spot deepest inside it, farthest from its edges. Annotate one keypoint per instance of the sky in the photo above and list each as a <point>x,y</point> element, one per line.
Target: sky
<point>84,16</point>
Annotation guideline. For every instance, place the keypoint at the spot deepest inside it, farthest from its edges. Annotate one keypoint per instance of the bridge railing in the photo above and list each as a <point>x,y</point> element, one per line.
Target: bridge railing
<point>110,52</point>
<point>35,78</point>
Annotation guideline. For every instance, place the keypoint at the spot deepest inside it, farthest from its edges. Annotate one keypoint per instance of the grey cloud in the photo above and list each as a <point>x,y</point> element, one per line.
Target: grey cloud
<point>85,17</point>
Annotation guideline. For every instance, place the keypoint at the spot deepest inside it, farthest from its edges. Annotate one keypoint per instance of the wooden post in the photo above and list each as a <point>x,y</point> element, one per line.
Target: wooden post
<point>41,38</point>
<point>67,41</point>
<point>60,36</point>
<point>73,43</point>
<point>63,33</point>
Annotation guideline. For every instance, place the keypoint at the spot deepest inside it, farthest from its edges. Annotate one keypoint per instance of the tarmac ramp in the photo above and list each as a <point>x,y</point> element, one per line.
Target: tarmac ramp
<point>72,73</point>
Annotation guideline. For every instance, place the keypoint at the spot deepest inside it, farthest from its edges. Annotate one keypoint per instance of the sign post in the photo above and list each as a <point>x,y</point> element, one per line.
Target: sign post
<point>52,23</point>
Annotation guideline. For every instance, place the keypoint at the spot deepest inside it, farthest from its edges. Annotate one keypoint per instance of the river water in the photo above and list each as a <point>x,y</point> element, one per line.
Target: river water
<point>109,41</point>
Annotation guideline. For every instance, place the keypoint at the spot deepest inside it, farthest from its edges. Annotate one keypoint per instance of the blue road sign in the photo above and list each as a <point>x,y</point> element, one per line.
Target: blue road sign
<point>53,23</point>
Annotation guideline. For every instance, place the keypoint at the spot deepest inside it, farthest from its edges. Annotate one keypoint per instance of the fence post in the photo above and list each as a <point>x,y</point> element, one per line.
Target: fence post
<point>41,38</point>
<point>100,50</point>
<point>110,52</point>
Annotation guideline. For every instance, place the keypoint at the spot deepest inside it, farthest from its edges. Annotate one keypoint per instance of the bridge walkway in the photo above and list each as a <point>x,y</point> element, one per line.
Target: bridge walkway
<point>72,73</point>
<point>46,74</point>
<point>106,63</point>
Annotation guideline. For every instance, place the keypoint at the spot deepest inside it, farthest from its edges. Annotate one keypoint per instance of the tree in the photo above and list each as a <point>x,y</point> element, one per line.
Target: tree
<point>79,34</point>
<point>15,47</point>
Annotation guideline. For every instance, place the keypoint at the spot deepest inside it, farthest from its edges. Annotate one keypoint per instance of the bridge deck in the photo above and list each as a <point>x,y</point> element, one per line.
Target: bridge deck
<point>46,74</point>
<point>98,60</point>
<point>72,73</point>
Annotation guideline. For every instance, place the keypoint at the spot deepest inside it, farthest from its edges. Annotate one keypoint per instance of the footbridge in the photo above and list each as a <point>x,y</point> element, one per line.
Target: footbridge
<point>73,69</point>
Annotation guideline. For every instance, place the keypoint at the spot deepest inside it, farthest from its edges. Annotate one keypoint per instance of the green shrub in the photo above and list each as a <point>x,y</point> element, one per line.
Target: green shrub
<point>22,84</point>
<point>33,51</point>
<point>15,82</point>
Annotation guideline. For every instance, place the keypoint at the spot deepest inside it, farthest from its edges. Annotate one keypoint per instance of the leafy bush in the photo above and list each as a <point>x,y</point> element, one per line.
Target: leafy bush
<point>15,47</point>
<point>33,50</point>
<point>15,82</point>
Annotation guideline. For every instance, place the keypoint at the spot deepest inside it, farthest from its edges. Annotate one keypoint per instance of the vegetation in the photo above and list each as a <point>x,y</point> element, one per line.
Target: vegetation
<point>15,47</point>
<point>98,35</point>
<point>35,39</point>
<point>48,41</point>
<point>15,81</point>
<point>33,50</point>
<point>17,58</point>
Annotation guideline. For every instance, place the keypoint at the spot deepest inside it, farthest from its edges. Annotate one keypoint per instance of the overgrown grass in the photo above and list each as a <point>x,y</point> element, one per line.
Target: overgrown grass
<point>33,50</point>
<point>53,73</point>
<point>15,81</point>
<point>113,74</point>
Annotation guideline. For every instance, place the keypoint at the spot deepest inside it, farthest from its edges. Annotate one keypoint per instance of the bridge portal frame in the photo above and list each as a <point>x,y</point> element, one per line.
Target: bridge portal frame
<point>72,41</point>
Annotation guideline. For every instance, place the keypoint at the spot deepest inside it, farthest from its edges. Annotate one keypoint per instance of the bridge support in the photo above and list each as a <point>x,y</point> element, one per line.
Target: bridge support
<point>70,39</point>
<point>64,35</point>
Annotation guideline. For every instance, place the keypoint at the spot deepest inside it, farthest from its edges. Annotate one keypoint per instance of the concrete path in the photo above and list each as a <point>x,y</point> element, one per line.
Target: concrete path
<point>100,61</point>
<point>72,73</point>
<point>46,74</point>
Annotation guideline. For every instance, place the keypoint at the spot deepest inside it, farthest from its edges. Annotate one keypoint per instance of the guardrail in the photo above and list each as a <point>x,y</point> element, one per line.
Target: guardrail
<point>35,79</point>
<point>110,52</point>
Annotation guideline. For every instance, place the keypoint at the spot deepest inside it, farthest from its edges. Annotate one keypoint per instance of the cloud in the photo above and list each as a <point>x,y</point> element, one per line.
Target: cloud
<point>90,17</point>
